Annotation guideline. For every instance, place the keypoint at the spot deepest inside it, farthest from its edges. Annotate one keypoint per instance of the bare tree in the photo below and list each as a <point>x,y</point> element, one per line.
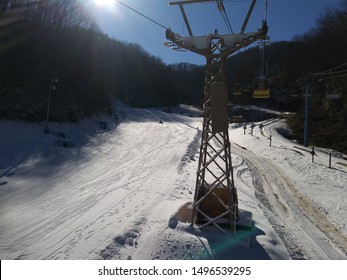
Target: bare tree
<point>57,13</point>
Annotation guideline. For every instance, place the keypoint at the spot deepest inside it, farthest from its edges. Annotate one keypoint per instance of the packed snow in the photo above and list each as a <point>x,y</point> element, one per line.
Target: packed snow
<point>125,192</point>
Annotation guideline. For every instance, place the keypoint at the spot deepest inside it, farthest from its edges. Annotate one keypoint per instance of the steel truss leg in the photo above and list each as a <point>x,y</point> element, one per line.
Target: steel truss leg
<point>215,198</point>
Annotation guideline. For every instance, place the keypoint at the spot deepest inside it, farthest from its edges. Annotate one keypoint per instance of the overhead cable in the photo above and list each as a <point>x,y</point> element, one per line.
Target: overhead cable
<point>221,9</point>
<point>143,15</point>
<point>320,75</point>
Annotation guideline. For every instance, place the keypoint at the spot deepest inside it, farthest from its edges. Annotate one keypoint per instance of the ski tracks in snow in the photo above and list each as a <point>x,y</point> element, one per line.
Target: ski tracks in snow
<point>305,230</point>
<point>109,204</point>
<point>90,206</point>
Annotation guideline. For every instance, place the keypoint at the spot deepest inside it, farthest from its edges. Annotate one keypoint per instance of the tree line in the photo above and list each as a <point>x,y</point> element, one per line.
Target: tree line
<point>41,40</point>
<point>320,49</point>
<point>56,13</point>
<point>59,40</point>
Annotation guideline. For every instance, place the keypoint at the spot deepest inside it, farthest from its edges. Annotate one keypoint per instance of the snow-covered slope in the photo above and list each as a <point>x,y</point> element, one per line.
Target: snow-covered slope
<point>305,201</point>
<point>125,193</point>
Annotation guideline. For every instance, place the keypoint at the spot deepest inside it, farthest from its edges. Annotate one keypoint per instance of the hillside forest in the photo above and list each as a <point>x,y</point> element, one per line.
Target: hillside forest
<point>56,48</point>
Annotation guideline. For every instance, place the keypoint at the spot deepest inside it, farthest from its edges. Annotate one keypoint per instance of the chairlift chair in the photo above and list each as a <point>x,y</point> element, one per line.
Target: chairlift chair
<point>237,89</point>
<point>333,91</point>
<point>247,89</point>
<point>333,96</point>
<point>261,89</point>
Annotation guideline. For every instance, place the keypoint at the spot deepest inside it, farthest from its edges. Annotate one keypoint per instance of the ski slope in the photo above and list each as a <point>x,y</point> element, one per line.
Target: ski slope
<point>125,193</point>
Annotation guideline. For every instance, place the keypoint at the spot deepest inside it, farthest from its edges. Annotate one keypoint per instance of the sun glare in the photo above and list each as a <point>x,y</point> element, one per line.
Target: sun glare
<point>104,3</point>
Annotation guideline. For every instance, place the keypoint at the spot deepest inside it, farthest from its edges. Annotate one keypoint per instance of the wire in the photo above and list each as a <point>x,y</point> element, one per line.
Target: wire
<point>335,72</point>
<point>344,64</point>
<point>235,0</point>
<point>221,9</point>
<point>143,15</point>
<point>266,5</point>
<point>328,73</point>
<point>329,78</point>
<point>292,85</point>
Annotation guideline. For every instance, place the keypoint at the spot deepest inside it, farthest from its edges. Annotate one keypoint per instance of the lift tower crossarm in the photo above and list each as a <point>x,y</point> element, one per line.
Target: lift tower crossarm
<point>230,43</point>
<point>181,3</point>
<point>186,20</point>
<point>250,10</point>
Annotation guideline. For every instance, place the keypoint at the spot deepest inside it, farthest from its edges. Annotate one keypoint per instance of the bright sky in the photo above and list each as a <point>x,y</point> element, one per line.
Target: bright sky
<point>286,18</point>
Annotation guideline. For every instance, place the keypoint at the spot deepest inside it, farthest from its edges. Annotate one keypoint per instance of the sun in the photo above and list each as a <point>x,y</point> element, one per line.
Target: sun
<point>104,3</point>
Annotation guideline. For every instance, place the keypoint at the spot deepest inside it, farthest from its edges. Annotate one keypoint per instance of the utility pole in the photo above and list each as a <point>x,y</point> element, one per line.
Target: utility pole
<point>215,198</point>
<point>307,110</point>
<point>52,86</point>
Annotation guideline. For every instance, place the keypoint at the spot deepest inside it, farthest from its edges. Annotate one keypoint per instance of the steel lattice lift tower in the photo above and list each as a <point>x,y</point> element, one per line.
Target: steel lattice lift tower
<point>215,199</point>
